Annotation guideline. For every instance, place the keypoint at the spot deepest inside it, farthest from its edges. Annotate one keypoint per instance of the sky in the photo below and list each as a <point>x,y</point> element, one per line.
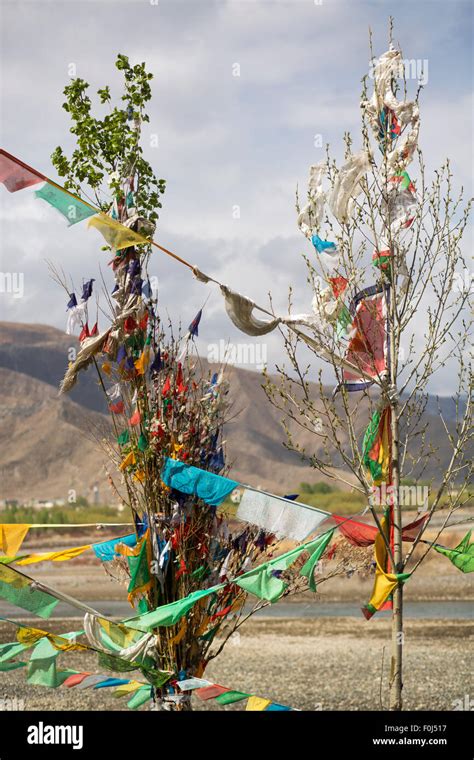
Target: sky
<point>241,91</point>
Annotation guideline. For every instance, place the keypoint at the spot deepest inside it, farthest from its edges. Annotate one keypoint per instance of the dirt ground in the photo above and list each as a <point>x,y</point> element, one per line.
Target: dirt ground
<point>322,664</point>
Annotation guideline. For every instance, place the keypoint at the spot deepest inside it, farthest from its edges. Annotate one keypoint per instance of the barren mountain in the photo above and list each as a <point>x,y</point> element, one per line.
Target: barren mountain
<point>48,446</point>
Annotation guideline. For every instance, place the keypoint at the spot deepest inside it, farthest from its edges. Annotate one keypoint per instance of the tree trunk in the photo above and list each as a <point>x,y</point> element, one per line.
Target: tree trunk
<point>396,681</point>
<point>182,704</point>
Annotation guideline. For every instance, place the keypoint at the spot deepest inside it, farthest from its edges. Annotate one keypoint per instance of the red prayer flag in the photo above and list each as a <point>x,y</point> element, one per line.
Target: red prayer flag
<point>75,679</point>
<point>130,325</point>
<point>84,333</point>
<point>16,175</point>
<point>117,408</point>
<point>361,534</point>
<point>135,418</point>
<point>338,284</point>
<point>210,692</point>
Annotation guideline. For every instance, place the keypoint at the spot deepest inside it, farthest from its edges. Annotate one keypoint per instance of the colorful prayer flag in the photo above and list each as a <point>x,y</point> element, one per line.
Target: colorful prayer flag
<point>115,234</point>
<point>15,175</point>
<point>67,204</point>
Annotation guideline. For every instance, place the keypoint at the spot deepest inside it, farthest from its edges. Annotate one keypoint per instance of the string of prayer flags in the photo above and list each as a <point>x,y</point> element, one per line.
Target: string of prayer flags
<point>282,517</point>
<point>206,690</point>
<point>19,590</point>
<point>207,486</point>
<point>376,446</point>
<point>462,556</point>
<point>15,175</point>
<point>384,582</point>
<point>69,206</point>
<point>12,536</point>
<point>368,348</point>
<point>115,234</point>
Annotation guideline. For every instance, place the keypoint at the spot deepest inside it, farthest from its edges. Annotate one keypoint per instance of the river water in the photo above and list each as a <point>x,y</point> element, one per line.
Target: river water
<point>435,610</point>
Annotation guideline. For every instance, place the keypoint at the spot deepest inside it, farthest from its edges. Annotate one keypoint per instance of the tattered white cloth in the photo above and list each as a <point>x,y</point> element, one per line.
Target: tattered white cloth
<point>283,517</point>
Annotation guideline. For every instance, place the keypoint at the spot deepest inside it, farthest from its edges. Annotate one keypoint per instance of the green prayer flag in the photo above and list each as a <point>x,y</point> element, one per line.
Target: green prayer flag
<point>72,208</point>
<point>370,436</point>
<point>263,581</point>
<point>139,570</point>
<point>142,605</point>
<point>317,550</point>
<point>10,650</point>
<point>5,666</point>
<point>142,695</point>
<point>462,556</point>
<point>169,614</point>
<point>123,438</point>
<point>112,662</point>
<point>142,442</point>
<point>17,589</point>
<point>231,696</point>
<point>42,667</point>
<point>344,319</point>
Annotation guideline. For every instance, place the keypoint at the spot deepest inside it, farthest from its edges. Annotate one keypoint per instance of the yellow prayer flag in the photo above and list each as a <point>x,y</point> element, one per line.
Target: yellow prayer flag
<point>384,583</point>
<point>116,234</point>
<point>129,460</point>
<point>257,703</point>
<point>106,367</point>
<point>182,630</point>
<point>141,364</point>
<point>12,537</point>
<point>131,551</point>
<point>127,688</point>
<point>61,556</point>
<point>30,636</point>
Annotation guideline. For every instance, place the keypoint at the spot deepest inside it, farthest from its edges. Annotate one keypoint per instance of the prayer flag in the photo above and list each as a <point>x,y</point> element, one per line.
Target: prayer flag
<point>15,175</point>
<point>69,206</point>
<point>12,536</point>
<point>115,234</point>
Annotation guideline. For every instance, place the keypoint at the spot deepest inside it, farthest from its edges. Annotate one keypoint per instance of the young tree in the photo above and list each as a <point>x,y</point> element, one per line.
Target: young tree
<point>385,343</point>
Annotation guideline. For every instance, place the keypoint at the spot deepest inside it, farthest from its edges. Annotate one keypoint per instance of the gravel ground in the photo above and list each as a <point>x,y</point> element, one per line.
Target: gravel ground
<point>323,664</point>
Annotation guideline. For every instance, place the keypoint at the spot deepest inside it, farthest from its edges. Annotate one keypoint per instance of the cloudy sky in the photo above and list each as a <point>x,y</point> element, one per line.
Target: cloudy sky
<point>224,141</point>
